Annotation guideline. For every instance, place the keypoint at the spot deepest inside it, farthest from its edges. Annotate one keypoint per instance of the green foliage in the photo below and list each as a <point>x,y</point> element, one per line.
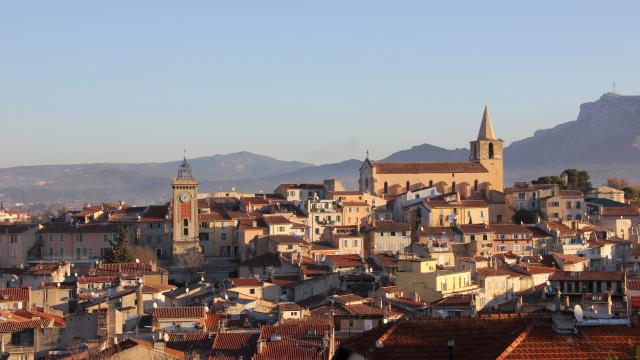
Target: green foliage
<point>119,248</point>
<point>575,180</point>
<point>631,193</point>
<point>549,180</point>
<point>525,216</point>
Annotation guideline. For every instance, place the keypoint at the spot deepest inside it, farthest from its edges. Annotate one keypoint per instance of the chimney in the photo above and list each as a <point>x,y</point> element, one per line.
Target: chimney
<point>558,299</point>
<point>519,304</point>
<point>261,345</point>
<point>139,300</point>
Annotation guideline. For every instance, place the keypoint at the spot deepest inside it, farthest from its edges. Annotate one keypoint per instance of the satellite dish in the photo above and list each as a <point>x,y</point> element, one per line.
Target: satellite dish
<point>577,312</point>
<point>137,261</point>
<point>165,337</point>
<point>155,306</point>
<point>202,279</point>
<point>421,228</point>
<point>187,290</point>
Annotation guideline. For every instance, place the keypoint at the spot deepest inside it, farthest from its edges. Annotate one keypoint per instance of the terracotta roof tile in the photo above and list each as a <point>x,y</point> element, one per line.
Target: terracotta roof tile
<point>435,167</point>
<point>184,312</point>
<point>14,294</point>
<point>231,345</point>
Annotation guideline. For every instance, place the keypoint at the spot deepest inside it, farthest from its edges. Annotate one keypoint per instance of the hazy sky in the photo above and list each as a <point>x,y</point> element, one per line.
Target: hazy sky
<point>315,81</point>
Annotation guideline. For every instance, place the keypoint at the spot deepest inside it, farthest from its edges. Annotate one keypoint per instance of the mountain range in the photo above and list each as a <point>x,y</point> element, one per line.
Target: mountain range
<point>604,139</point>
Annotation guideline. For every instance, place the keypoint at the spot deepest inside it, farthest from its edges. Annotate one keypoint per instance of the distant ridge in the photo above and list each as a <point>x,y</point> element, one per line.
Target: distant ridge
<point>604,139</point>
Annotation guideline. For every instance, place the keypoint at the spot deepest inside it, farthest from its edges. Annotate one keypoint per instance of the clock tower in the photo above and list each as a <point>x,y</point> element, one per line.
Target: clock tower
<point>184,206</point>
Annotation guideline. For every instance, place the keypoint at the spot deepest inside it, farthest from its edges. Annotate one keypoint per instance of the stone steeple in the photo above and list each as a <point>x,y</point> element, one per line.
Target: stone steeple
<point>486,128</point>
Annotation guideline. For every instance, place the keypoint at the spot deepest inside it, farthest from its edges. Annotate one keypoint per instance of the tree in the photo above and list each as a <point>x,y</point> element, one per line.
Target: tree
<point>569,179</point>
<point>617,183</point>
<point>143,253</point>
<point>525,216</point>
<point>549,180</point>
<point>192,262</point>
<point>119,248</point>
<point>631,193</point>
<point>576,179</point>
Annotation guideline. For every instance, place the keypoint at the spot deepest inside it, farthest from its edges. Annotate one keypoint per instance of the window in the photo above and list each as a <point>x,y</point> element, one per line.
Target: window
<point>516,248</point>
<point>568,204</point>
<point>578,205</point>
<point>386,187</point>
<point>490,150</point>
<point>252,291</point>
<point>61,251</point>
<point>453,186</point>
<point>79,237</point>
<point>502,247</point>
<point>475,184</point>
<point>50,237</point>
<point>185,227</point>
<point>393,233</point>
<point>485,237</point>
<point>345,243</point>
<point>61,237</point>
<point>472,238</point>
<point>158,252</point>
<point>105,237</point>
<point>355,243</point>
<point>521,196</point>
<point>281,228</point>
<point>50,251</point>
<point>13,253</point>
<point>77,253</point>
<point>13,238</point>
<point>223,236</point>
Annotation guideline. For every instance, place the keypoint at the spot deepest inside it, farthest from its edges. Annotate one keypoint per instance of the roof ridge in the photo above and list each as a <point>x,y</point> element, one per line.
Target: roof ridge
<point>514,344</point>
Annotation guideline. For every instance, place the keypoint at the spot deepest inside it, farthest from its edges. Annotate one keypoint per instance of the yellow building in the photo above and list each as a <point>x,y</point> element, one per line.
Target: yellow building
<point>422,277</point>
<point>484,171</point>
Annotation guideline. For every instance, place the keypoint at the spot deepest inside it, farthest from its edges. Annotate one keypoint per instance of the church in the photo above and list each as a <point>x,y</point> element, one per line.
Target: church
<point>482,173</point>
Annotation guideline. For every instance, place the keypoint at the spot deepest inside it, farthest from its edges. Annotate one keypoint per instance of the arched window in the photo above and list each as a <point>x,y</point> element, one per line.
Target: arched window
<point>475,185</point>
<point>453,186</point>
<point>408,183</point>
<point>185,227</point>
<point>490,150</point>
<point>386,187</point>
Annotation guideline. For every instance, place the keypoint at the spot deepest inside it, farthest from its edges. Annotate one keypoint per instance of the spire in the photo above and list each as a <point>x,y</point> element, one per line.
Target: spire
<point>184,170</point>
<point>486,128</point>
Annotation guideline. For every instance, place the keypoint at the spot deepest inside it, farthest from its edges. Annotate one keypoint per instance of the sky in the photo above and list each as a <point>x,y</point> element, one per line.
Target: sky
<point>313,81</point>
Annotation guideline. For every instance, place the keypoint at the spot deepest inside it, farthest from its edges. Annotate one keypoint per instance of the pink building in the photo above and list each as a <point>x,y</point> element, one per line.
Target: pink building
<point>65,241</point>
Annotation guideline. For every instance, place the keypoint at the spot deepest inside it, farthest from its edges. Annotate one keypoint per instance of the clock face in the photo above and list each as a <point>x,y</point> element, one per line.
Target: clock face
<point>184,197</point>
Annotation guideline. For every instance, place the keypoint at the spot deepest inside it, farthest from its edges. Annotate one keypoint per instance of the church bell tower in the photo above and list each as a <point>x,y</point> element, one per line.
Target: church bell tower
<point>186,228</point>
<point>488,151</point>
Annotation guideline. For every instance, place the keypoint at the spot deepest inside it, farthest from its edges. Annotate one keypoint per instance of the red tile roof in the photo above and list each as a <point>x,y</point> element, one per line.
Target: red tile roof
<point>97,279</point>
<point>232,345</point>
<point>344,260</point>
<point>240,282</point>
<point>435,167</point>
<point>184,312</point>
<point>460,300</point>
<point>13,326</point>
<point>474,338</point>
<point>58,320</point>
<point>620,211</point>
<point>586,276</point>
<point>14,294</point>
<point>591,342</point>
